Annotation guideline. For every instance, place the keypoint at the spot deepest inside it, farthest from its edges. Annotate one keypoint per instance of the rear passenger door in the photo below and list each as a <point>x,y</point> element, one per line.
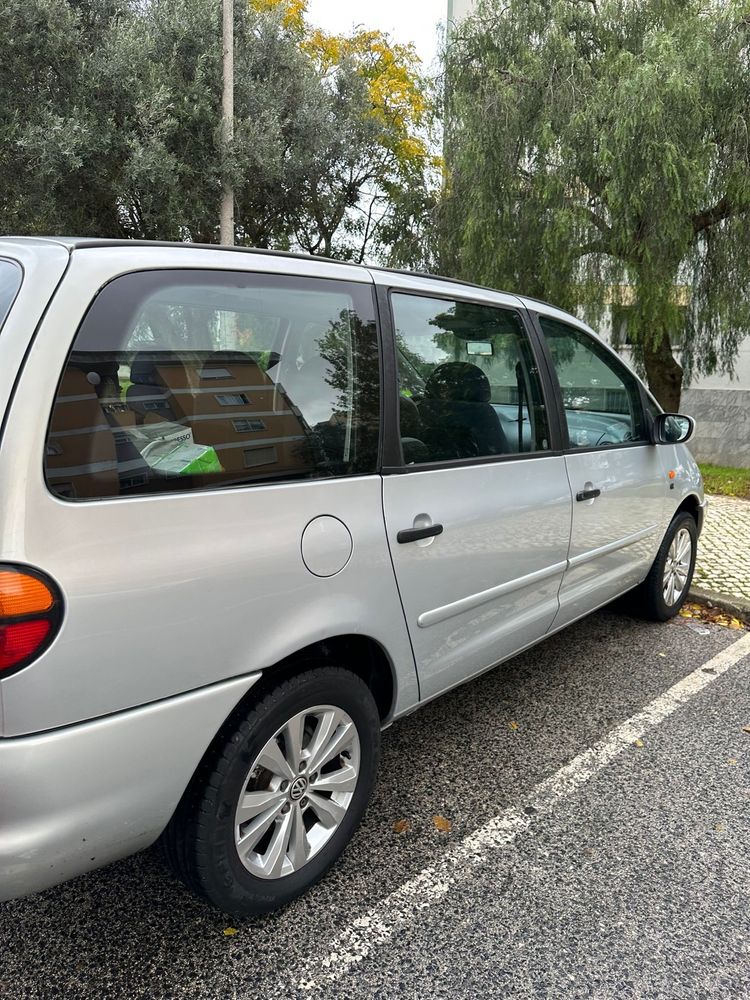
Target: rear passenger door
<point>616,477</point>
<point>476,498</point>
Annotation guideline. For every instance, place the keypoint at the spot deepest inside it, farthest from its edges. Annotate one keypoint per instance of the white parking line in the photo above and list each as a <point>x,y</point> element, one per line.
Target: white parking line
<point>377,925</point>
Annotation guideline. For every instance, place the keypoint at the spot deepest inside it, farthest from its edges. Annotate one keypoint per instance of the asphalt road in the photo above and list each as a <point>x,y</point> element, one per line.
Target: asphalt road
<point>624,874</point>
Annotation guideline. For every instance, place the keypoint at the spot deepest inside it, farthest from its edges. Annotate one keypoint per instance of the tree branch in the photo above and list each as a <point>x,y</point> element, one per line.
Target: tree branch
<point>704,220</point>
<point>596,246</point>
<point>600,224</point>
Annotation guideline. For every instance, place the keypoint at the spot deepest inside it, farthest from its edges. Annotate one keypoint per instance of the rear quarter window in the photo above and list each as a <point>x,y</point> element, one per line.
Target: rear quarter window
<point>182,380</point>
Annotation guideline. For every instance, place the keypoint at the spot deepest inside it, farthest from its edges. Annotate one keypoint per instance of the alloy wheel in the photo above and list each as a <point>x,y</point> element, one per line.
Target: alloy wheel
<point>297,792</point>
<point>677,567</point>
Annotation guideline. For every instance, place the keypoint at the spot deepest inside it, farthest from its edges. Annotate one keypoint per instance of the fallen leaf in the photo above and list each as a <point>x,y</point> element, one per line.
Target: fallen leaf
<point>401,826</point>
<point>732,760</point>
<point>442,824</point>
<point>746,729</point>
<point>663,655</point>
<point>230,931</point>
<point>720,828</point>
<point>710,613</point>
<point>639,743</point>
<point>513,725</point>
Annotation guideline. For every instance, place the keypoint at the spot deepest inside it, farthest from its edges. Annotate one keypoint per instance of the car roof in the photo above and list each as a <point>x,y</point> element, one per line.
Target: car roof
<point>72,243</point>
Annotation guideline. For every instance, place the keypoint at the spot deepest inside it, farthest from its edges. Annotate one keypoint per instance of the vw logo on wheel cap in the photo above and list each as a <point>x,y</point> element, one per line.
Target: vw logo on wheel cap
<point>299,786</point>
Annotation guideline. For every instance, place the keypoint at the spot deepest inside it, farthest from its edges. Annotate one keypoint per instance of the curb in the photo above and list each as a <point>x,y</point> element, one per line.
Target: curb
<point>736,606</point>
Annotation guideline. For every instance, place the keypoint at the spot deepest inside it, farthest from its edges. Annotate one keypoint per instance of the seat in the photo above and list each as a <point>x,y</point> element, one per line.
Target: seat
<point>458,420</point>
<point>81,461</point>
<point>412,446</point>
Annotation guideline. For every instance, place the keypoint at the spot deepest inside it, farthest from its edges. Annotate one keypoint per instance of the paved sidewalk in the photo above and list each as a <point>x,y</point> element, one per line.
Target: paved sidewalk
<point>724,548</point>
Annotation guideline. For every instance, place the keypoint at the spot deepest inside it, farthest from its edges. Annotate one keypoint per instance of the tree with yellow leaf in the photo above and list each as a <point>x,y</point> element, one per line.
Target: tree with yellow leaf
<point>372,181</point>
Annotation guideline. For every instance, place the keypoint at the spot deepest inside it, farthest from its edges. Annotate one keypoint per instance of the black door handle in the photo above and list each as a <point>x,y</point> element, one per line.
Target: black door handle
<point>414,534</point>
<point>588,494</point>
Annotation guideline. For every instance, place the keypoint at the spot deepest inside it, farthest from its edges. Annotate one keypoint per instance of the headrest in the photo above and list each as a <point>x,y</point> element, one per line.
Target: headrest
<point>460,381</point>
<point>143,367</point>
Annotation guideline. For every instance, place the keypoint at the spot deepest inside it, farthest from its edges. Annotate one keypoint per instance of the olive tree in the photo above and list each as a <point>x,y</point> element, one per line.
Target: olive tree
<point>597,154</point>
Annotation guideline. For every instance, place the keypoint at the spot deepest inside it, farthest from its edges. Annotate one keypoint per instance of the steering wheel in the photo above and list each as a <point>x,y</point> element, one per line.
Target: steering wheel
<point>615,433</point>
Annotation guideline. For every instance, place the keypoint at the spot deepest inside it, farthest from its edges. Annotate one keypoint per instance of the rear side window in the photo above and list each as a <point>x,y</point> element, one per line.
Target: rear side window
<point>10,281</point>
<point>186,380</point>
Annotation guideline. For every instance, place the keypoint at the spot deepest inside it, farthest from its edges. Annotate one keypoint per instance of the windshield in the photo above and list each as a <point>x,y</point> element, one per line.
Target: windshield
<point>10,282</point>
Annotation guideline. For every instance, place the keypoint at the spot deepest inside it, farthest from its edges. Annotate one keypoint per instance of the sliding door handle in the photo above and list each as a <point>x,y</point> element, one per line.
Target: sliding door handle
<point>588,494</point>
<point>414,534</point>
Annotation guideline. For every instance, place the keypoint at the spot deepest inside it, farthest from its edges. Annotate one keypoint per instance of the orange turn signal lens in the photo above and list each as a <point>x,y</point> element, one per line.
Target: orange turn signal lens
<point>22,594</point>
<point>30,615</point>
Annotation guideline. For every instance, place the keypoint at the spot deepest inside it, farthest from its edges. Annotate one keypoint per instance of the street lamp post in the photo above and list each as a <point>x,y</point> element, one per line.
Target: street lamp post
<point>226,226</point>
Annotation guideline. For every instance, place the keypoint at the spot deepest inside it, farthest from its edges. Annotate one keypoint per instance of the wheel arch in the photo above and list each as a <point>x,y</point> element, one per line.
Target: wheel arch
<point>691,504</point>
<point>363,655</point>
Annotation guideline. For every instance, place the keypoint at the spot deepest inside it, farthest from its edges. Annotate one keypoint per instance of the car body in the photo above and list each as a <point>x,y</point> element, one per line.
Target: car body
<point>229,465</point>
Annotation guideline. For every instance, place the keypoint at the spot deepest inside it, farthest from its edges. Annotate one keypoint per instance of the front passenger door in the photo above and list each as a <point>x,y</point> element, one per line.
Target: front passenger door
<point>615,474</point>
<point>478,510</point>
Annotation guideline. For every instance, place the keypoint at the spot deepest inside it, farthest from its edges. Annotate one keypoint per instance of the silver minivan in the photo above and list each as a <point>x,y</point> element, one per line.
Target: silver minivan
<point>256,506</point>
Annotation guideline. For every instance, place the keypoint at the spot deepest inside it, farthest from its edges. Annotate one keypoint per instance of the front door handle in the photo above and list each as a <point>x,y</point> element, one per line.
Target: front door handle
<point>414,534</point>
<point>588,494</point>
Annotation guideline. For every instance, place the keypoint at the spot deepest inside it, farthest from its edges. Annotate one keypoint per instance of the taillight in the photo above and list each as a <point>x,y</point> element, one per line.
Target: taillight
<point>30,612</point>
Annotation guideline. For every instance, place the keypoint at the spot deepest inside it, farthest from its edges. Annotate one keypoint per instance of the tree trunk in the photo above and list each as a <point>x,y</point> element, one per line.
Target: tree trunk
<point>663,373</point>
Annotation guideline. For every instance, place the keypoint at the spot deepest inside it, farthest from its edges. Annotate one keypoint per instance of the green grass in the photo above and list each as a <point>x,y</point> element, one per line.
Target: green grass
<point>726,481</point>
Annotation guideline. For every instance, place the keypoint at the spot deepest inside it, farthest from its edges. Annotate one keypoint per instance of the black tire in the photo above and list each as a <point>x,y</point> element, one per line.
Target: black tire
<point>649,597</point>
<point>199,842</point>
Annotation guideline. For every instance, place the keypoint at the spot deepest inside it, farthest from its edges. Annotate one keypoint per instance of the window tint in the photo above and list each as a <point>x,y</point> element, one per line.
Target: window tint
<point>468,384</point>
<point>10,282</point>
<point>601,397</point>
<point>183,380</point>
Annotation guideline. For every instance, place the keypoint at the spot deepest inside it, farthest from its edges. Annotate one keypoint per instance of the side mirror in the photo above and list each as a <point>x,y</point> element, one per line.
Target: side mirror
<point>673,428</point>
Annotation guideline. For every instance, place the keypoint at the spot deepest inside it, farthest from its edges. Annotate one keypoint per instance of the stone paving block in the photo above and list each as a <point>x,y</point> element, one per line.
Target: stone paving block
<point>723,562</point>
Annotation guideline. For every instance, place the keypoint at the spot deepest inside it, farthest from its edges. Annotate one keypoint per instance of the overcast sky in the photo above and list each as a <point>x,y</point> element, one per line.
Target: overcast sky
<point>405,20</point>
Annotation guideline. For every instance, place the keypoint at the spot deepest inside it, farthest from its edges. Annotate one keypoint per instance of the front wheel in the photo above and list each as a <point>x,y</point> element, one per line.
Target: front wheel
<point>279,795</point>
<point>663,592</point>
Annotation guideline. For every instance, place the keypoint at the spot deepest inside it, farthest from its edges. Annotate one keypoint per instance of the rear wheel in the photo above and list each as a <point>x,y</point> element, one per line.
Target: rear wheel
<point>279,795</point>
<point>663,592</point>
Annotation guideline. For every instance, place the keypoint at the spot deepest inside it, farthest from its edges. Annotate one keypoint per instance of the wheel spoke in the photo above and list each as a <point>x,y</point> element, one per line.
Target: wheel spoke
<point>253,803</point>
<point>293,734</point>
<point>273,859</point>
<point>273,759</point>
<point>258,827</point>
<point>327,724</point>
<point>343,780</point>
<point>684,549</point>
<point>298,845</point>
<point>337,742</point>
<point>329,813</point>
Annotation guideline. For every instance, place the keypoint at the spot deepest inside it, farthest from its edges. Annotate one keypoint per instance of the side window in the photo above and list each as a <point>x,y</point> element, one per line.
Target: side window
<point>10,282</point>
<point>186,380</point>
<point>468,384</point>
<point>601,397</point>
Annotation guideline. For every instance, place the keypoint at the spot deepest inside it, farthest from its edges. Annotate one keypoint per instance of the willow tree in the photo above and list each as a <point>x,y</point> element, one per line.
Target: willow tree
<point>598,155</point>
